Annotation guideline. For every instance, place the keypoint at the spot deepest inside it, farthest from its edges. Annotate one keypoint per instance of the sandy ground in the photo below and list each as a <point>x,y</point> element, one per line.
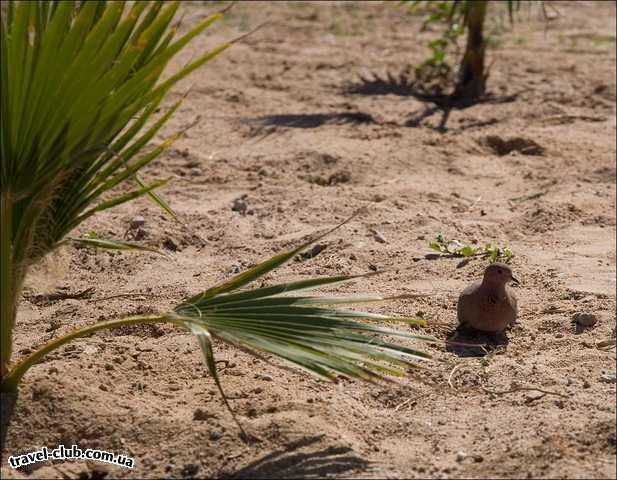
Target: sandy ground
<point>286,122</point>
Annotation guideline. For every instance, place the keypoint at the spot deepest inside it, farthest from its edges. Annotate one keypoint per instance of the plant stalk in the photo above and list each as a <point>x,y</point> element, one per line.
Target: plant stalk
<point>8,297</point>
<point>472,80</point>
<point>11,380</point>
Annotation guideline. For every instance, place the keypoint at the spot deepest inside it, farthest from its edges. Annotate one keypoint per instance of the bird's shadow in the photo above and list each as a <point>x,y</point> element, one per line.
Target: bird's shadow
<point>466,342</point>
<point>290,462</point>
<point>435,98</point>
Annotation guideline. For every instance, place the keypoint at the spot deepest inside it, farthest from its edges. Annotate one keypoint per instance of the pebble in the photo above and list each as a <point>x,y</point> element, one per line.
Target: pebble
<point>214,435</point>
<point>239,205</point>
<point>585,319</point>
<point>460,456</point>
<point>609,378</point>
<point>201,415</point>
<point>189,470</point>
<point>170,244</point>
<point>137,222</point>
<point>313,252</point>
<point>378,236</point>
<point>140,234</point>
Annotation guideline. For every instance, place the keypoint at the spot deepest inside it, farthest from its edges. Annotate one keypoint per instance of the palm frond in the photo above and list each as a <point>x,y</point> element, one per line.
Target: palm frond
<point>80,80</point>
<point>307,331</point>
<point>80,88</point>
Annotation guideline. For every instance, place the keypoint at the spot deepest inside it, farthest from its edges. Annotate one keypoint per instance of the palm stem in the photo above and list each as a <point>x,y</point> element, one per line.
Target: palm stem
<point>11,380</point>
<point>8,288</point>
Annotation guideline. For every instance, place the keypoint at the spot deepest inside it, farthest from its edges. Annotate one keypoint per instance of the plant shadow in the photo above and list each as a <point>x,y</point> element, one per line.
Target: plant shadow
<point>8,401</point>
<point>267,124</point>
<point>465,342</point>
<point>435,98</point>
<point>289,462</point>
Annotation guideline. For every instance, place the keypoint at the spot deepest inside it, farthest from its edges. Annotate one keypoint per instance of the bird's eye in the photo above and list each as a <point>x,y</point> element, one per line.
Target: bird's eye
<point>500,271</point>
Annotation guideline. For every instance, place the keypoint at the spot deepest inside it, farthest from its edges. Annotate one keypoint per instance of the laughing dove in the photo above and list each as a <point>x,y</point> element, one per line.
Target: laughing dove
<point>489,305</point>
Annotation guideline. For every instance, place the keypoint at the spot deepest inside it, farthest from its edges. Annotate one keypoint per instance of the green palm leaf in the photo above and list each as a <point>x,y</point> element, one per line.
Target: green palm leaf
<point>306,331</point>
<point>80,88</point>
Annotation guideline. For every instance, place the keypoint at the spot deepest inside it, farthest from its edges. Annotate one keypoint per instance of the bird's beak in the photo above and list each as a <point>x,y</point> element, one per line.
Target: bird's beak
<point>515,281</point>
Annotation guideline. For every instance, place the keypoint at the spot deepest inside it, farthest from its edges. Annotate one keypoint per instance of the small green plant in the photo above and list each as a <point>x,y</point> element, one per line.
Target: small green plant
<point>437,69</point>
<point>80,86</point>
<point>456,18</point>
<point>455,248</point>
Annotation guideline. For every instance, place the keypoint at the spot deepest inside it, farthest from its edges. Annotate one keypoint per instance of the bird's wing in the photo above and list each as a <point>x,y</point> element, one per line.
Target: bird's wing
<point>465,302</point>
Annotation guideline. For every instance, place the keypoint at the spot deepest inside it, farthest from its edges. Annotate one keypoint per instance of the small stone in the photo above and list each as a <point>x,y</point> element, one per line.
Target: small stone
<point>353,257</point>
<point>202,415</point>
<point>214,435</point>
<point>609,378</point>
<point>378,197</point>
<point>478,458</point>
<point>137,221</point>
<point>239,205</point>
<point>251,412</point>
<point>313,252</point>
<point>192,164</point>
<point>140,234</point>
<point>585,319</point>
<point>170,244</point>
<point>460,456</point>
<point>189,470</point>
<point>266,378</point>
<point>103,387</point>
<point>378,236</point>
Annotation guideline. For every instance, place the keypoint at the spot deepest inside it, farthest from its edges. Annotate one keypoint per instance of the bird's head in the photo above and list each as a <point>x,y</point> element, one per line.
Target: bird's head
<point>499,274</point>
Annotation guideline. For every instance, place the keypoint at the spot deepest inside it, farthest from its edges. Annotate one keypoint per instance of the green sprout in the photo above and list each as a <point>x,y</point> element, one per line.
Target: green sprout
<point>455,248</point>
